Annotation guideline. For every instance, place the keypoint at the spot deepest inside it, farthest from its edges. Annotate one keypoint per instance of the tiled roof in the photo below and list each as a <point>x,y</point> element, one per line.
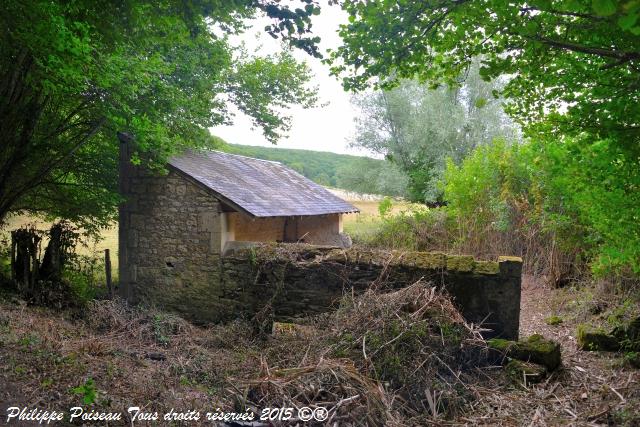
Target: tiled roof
<point>261,188</point>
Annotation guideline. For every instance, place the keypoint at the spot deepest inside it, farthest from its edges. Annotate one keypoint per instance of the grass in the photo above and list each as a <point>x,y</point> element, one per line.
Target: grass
<point>108,237</point>
<point>366,221</point>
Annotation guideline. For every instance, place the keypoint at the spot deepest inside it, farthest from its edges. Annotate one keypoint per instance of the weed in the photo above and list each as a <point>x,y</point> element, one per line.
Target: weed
<point>159,331</point>
<point>86,391</point>
<point>29,341</point>
<point>553,320</point>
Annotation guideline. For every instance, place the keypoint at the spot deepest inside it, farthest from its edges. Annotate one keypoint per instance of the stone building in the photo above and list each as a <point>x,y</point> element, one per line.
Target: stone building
<point>201,240</point>
<point>174,227</point>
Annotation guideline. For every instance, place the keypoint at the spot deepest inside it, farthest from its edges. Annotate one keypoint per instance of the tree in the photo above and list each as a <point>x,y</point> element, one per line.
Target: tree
<point>573,69</point>
<point>371,176</point>
<point>574,64</point>
<point>418,128</point>
<point>72,74</point>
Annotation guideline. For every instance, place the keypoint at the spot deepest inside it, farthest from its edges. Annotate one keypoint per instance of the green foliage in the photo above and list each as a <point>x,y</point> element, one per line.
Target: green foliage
<point>579,55</point>
<point>72,74</point>
<point>481,186</point>
<point>417,127</point>
<point>553,320</point>
<point>558,203</point>
<point>385,206</point>
<point>582,194</point>
<point>85,277</point>
<point>86,391</point>
<point>572,70</point>
<point>372,176</point>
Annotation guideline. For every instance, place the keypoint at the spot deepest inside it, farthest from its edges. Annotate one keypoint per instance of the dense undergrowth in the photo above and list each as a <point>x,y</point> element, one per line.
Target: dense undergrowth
<point>570,208</point>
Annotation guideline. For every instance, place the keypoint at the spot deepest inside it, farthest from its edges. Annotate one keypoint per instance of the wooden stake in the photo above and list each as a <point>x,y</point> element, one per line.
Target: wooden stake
<point>107,269</point>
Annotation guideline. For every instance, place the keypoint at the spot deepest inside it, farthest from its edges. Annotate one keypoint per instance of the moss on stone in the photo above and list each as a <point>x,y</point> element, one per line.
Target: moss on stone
<point>525,372</point>
<point>630,336</point>
<point>486,267</point>
<point>535,349</point>
<point>335,255</point>
<point>461,263</point>
<point>504,258</point>
<point>431,260</point>
<point>500,344</point>
<point>553,320</point>
<point>595,339</point>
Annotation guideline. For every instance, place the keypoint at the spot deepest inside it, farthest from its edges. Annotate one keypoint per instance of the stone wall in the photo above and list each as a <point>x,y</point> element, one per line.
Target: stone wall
<point>302,279</point>
<point>172,233</point>
<point>170,241</point>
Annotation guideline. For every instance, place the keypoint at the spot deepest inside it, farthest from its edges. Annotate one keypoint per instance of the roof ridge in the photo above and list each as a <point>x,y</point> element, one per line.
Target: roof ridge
<point>246,157</point>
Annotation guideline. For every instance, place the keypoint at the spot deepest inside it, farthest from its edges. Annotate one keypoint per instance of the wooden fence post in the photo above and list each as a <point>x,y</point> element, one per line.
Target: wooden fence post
<point>107,269</point>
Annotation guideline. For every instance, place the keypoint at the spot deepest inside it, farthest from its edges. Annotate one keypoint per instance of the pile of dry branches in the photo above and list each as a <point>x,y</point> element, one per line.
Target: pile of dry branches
<point>382,359</point>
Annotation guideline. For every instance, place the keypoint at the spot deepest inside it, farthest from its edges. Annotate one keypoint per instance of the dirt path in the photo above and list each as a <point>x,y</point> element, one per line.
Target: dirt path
<point>591,388</point>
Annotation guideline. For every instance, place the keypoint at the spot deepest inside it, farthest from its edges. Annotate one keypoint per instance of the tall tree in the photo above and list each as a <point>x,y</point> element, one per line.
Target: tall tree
<point>574,68</point>
<point>575,63</point>
<point>73,73</point>
<point>418,127</point>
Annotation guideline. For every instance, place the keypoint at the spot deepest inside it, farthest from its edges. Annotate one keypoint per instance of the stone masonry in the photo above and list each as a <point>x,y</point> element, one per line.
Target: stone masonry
<point>170,244</point>
<point>301,279</point>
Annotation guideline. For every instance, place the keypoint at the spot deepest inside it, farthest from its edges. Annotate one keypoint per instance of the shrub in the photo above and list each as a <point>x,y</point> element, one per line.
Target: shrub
<point>385,207</point>
<point>421,229</point>
<point>561,204</point>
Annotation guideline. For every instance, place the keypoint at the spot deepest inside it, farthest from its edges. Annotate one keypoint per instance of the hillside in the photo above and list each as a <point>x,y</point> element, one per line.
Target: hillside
<point>354,173</point>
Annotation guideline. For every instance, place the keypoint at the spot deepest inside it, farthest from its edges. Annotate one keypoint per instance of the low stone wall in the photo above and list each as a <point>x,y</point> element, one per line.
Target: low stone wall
<point>301,279</point>
<point>297,280</point>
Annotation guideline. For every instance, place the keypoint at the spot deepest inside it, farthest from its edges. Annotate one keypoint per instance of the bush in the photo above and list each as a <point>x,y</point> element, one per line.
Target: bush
<point>575,200</point>
<point>565,206</point>
<point>418,229</point>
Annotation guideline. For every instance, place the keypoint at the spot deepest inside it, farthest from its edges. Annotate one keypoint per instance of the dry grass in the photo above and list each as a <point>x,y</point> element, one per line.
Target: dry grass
<point>403,358</point>
<point>49,353</point>
<point>399,358</point>
<point>46,354</point>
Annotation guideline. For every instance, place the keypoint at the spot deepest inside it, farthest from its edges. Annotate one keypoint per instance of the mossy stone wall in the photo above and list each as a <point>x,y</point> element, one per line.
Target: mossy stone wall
<point>301,279</point>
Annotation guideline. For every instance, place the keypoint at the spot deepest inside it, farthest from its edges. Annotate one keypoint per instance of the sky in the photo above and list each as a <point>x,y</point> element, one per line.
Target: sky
<point>330,126</point>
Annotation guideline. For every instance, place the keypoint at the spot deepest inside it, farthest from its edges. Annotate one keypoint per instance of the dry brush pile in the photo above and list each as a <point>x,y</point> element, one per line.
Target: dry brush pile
<point>397,358</point>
